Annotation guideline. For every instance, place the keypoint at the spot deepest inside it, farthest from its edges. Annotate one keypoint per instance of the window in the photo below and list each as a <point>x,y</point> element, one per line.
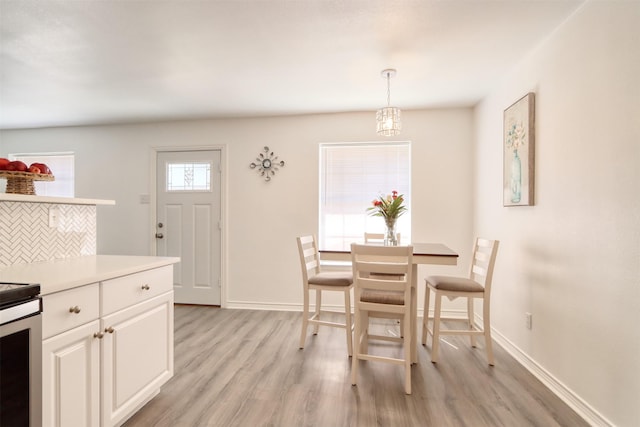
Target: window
<point>189,176</point>
<point>62,167</point>
<point>352,175</point>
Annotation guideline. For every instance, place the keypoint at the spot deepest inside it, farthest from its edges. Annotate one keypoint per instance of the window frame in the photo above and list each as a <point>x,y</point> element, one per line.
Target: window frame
<point>64,184</point>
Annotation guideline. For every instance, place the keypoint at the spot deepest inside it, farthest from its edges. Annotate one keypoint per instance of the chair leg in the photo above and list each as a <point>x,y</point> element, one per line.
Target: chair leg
<point>356,353</point>
<point>318,308</point>
<point>487,330</point>
<point>425,315</point>
<point>435,340</point>
<point>470,320</point>
<point>305,318</point>
<point>407,354</point>
<point>364,331</point>
<point>348,324</point>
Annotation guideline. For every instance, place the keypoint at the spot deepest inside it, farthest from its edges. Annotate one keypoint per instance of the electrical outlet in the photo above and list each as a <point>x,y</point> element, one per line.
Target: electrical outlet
<point>54,217</point>
<point>529,319</point>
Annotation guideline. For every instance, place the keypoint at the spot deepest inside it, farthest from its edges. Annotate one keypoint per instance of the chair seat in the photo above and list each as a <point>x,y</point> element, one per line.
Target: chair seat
<point>382,297</point>
<point>332,278</point>
<point>453,283</point>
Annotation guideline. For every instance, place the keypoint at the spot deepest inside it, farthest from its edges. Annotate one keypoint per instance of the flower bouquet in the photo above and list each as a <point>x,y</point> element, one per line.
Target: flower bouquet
<point>389,207</point>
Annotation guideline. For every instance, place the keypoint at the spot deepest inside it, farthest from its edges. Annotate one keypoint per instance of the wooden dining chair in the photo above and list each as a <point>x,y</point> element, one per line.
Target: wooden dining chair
<point>476,285</point>
<point>314,279</point>
<point>377,238</point>
<point>377,295</point>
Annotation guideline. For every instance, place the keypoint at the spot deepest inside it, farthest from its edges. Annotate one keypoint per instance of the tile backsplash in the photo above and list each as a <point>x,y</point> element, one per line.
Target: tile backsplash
<point>25,234</point>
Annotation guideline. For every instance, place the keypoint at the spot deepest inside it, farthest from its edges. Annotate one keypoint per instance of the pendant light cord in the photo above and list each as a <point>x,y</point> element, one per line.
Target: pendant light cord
<point>388,91</point>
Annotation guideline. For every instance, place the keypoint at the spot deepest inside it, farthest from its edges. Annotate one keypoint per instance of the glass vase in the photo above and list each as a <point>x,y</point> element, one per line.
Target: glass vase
<point>390,238</point>
<point>516,178</point>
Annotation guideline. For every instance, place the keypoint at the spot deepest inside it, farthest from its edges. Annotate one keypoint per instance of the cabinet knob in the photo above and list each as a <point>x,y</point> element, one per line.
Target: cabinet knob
<point>75,309</point>
<point>145,287</point>
<point>98,335</point>
<point>109,330</point>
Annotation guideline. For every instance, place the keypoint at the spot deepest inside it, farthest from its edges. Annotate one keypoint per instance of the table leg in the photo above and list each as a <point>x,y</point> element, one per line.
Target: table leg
<point>414,313</point>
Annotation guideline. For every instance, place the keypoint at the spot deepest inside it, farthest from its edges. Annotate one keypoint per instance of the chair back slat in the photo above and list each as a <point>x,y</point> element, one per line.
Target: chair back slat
<point>484,258</point>
<point>479,271</point>
<point>378,238</point>
<point>386,266</point>
<point>481,257</point>
<point>376,284</point>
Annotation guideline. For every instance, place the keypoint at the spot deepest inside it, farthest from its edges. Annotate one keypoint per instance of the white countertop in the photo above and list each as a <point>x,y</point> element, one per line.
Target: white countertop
<point>59,275</point>
<point>8,197</point>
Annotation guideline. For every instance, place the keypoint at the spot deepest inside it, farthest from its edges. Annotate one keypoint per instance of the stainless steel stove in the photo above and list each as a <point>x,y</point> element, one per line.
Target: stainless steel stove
<point>20,354</point>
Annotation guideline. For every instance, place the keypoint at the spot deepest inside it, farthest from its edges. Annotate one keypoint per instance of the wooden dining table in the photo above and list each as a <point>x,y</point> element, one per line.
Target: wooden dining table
<point>423,253</point>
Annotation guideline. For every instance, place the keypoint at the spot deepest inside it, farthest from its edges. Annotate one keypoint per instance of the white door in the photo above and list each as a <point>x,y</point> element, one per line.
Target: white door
<point>188,222</point>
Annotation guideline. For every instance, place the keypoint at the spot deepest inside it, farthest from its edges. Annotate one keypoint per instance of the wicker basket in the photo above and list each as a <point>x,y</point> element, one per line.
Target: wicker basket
<point>22,182</point>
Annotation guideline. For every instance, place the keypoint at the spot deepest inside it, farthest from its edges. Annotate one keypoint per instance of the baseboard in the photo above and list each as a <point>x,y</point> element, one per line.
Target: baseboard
<point>254,305</point>
<point>582,408</point>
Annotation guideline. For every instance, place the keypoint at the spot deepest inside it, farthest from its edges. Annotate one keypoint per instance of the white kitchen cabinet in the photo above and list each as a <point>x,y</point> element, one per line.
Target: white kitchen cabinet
<point>107,348</point>
<point>137,356</point>
<point>71,358</point>
<point>71,378</point>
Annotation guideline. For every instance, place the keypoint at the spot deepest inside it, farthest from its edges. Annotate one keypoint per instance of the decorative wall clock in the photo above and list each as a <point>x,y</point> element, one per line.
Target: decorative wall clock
<point>267,164</point>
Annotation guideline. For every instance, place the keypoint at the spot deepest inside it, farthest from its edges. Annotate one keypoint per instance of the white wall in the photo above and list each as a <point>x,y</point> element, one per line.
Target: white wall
<point>573,259</point>
<point>263,219</point>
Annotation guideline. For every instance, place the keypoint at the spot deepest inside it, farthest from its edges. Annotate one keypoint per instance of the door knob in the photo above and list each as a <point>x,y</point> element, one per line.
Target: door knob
<point>159,235</point>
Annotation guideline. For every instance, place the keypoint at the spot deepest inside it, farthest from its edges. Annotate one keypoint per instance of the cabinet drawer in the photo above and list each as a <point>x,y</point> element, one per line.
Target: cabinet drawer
<point>125,291</point>
<point>68,309</point>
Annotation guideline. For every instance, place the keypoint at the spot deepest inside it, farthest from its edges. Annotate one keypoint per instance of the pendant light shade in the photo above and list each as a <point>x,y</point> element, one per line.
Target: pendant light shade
<point>388,121</point>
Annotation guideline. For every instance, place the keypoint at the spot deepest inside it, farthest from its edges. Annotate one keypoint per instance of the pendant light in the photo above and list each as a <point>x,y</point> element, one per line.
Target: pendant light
<point>388,118</point>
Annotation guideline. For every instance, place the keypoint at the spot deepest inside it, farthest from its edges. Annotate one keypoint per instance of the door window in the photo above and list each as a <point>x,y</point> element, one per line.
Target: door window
<point>194,176</point>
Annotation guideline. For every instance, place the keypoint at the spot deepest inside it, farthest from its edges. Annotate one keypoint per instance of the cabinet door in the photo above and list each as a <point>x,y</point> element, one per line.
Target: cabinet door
<point>71,378</point>
<point>137,356</point>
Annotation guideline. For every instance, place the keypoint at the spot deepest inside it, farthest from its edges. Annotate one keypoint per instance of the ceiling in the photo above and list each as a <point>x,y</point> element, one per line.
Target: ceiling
<point>77,62</point>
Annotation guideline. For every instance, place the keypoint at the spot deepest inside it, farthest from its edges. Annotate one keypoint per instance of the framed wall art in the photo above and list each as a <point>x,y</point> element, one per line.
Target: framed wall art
<point>518,152</point>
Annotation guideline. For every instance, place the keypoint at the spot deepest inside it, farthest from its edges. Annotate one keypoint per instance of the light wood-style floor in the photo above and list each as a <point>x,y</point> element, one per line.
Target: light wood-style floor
<point>244,368</point>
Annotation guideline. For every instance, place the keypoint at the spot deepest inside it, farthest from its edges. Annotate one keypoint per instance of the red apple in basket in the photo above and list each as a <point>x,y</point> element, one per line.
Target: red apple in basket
<point>17,166</point>
<point>43,168</point>
<point>3,163</point>
<point>34,169</point>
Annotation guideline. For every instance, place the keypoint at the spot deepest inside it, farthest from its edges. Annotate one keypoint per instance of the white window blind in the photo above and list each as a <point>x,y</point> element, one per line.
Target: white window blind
<point>61,166</point>
<point>352,175</point>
